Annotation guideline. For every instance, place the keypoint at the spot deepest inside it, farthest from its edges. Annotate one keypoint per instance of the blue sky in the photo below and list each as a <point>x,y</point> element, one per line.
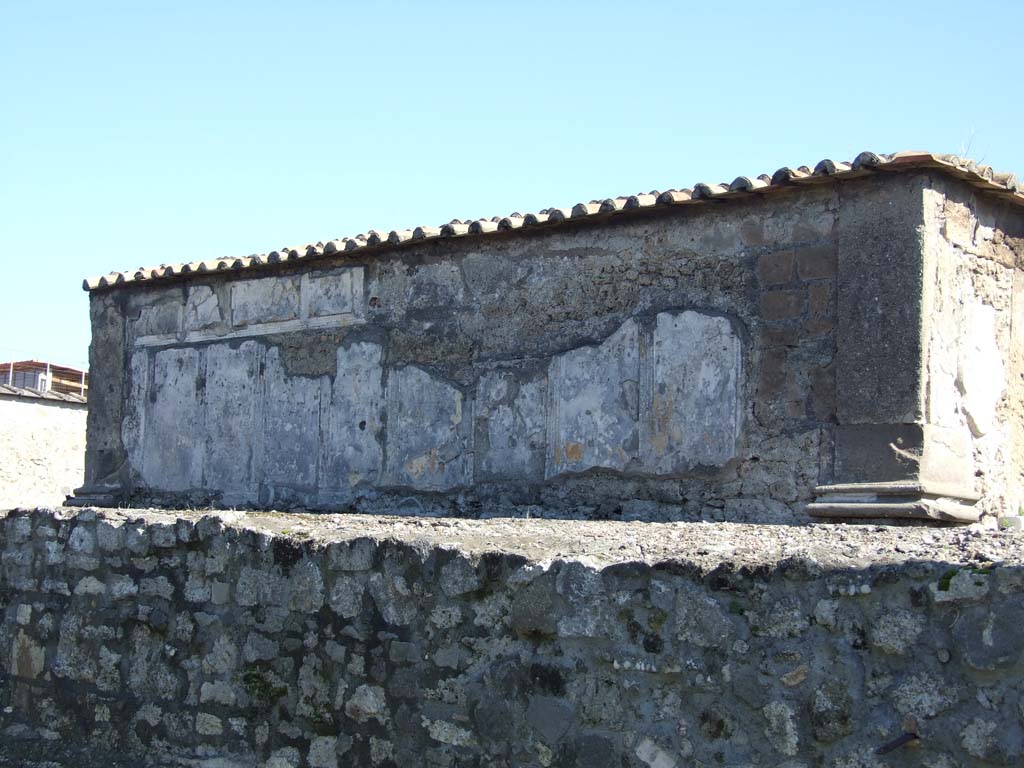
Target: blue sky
<point>139,133</point>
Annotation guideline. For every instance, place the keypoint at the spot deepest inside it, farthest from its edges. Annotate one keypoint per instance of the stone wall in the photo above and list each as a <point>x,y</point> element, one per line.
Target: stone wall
<point>656,366</point>
<point>975,342</point>
<point>316,641</point>
<point>42,443</point>
<point>834,344</point>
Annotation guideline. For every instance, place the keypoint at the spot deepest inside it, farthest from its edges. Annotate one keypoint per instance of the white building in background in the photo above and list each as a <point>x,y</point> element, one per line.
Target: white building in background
<point>45,377</point>
<point>42,432</point>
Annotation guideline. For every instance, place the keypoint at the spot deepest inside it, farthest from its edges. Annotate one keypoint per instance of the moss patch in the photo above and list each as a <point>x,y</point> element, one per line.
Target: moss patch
<point>946,579</point>
<point>260,689</point>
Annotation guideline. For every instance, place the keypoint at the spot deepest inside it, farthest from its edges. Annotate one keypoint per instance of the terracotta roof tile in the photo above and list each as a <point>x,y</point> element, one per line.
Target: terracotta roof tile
<point>983,177</point>
<point>36,394</point>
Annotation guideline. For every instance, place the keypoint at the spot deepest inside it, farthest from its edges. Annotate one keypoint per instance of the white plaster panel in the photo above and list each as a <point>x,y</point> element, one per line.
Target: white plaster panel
<point>291,426</point>
<point>333,293</point>
<point>202,309</point>
<point>982,374</point>
<point>269,299</point>
<point>593,404</point>
<point>945,298</point>
<point>172,454</point>
<point>428,432</point>
<point>233,393</point>
<point>691,408</point>
<point>510,436</point>
<point>352,453</point>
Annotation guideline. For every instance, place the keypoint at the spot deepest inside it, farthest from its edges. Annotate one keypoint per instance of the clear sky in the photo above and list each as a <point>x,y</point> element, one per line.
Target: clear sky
<point>139,133</point>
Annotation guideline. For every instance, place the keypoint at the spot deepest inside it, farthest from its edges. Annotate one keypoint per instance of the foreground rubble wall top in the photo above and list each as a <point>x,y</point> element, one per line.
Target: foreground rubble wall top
<point>295,640</point>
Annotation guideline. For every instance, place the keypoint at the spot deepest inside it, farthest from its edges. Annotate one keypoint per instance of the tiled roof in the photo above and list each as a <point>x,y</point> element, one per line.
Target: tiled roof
<point>1005,185</point>
<point>37,394</point>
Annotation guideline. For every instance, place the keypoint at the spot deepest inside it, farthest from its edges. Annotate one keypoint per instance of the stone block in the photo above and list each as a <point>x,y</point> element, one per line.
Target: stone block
<point>290,437</point>
<point>404,653</point>
<point>880,285</point>
<point>161,315</point>
<point>172,457</point>
<point>820,299</point>
<point>233,395</point>
<point>773,371</point>
<point>460,577</point>
<point>202,309</point>
<point>594,404</point>
<point>264,300</point>
<point>208,725</point>
<point>948,456</point>
<point>368,702</point>
<point>550,717</point>
<point>691,397</point>
<point>323,752</point>
<point>510,429</point>
<point>428,432</point>
<point>775,268</point>
<point>823,392</point>
<point>989,641</point>
<point>332,293</point>
<point>356,555</point>
<point>782,305</point>
<point>816,262</point>
<point>352,419</point>
<point>27,657</point>
<point>877,452</point>
<point>346,597</point>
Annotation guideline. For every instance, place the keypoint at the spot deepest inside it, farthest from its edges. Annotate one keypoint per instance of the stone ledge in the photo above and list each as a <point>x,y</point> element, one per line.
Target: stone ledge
<point>704,546</point>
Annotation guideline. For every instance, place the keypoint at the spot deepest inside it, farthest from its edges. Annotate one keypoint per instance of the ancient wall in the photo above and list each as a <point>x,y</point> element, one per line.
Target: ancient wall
<point>975,338</point>
<point>42,444</point>
<point>656,366</point>
<point>929,398</point>
<point>343,640</point>
<point>728,361</point>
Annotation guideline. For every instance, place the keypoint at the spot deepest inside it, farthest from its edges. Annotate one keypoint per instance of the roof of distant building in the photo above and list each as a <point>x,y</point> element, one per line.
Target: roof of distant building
<point>41,365</point>
<point>36,394</point>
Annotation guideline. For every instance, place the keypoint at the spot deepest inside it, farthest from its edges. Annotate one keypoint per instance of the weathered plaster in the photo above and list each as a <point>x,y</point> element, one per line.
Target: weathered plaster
<point>975,386</point>
<point>644,362</point>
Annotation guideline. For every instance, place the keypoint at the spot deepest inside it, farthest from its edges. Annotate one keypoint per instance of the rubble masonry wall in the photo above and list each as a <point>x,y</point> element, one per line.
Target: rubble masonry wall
<point>316,641</point>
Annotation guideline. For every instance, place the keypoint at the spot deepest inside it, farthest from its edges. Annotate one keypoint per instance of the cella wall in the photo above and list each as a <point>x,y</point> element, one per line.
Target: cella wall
<point>845,344</point>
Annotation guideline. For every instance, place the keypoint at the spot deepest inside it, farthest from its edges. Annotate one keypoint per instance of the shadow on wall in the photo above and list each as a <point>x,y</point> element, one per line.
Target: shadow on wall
<point>155,635</point>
